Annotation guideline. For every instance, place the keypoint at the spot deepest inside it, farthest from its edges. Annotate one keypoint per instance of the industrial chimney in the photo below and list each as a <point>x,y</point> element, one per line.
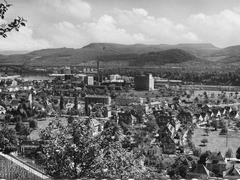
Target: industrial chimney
<point>98,78</point>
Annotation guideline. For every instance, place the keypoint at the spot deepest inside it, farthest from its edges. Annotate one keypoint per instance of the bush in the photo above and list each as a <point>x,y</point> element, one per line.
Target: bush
<point>238,153</point>
<point>197,152</point>
<point>229,153</point>
<point>33,124</point>
<point>70,120</point>
<point>204,141</point>
<point>19,126</point>
<point>9,149</point>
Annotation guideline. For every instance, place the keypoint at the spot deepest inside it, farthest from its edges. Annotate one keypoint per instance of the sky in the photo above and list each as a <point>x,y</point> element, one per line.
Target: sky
<point>77,23</point>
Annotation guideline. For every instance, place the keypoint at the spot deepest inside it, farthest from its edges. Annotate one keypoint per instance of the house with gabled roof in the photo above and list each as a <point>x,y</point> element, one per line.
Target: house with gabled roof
<point>206,108</point>
<point>126,117</point>
<point>169,146</point>
<point>27,147</point>
<point>205,116</point>
<point>198,171</point>
<point>185,117</point>
<point>216,163</point>
<point>163,120</point>
<point>233,114</point>
<point>163,132</point>
<point>222,111</point>
<point>231,173</point>
<point>216,112</point>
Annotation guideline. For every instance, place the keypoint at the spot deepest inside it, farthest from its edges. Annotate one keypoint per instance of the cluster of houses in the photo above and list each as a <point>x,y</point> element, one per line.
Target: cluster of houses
<point>171,116</point>
<point>215,165</point>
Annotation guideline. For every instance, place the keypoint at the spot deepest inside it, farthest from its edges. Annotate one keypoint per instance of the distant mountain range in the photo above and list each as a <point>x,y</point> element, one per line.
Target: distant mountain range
<point>110,54</point>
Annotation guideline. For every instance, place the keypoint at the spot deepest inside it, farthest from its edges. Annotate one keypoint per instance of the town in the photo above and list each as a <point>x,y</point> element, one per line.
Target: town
<point>79,123</point>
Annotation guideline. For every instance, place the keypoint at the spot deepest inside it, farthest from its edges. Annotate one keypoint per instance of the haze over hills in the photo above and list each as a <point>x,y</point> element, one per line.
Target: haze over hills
<point>126,55</point>
<point>13,52</point>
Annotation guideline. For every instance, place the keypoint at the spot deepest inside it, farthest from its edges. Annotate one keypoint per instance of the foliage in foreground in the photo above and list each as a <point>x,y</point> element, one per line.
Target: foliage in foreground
<point>73,152</point>
<point>8,140</point>
<point>16,24</point>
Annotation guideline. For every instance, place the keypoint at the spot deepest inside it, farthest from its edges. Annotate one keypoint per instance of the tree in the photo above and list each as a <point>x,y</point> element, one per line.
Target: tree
<point>214,124</point>
<point>229,153</point>
<point>204,141</point>
<point>33,124</point>
<point>188,96</point>
<point>151,125</point>
<point>19,126</point>
<point>61,102</point>
<point>75,102</point>
<point>222,124</point>
<point>70,119</point>
<point>72,152</point>
<point>25,131</point>
<point>206,131</point>
<point>7,118</point>
<point>16,24</point>
<point>196,100</point>
<point>179,168</point>
<point>197,152</point>
<point>18,118</point>
<point>8,140</point>
<point>224,131</point>
<point>238,153</point>
<point>203,157</point>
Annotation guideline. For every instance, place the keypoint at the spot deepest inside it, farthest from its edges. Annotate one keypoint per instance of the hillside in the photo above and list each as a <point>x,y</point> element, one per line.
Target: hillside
<point>151,59</point>
<point>112,52</point>
<point>229,55</point>
<point>200,50</point>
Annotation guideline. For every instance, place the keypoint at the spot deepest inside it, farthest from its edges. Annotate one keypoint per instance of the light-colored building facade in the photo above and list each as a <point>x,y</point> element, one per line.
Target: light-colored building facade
<point>144,82</point>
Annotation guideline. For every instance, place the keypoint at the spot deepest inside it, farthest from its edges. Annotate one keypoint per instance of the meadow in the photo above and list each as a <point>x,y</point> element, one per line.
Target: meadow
<point>216,142</point>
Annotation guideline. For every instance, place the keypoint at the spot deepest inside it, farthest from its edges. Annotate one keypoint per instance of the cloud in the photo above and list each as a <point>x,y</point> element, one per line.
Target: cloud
<point>22,40</point>
<point>158,30</point>
<point>63,34</point>
<point>61,8</point>
<point>220,29</point>
<point>190,37</point>
<point>106,30</point>
<point>140,11</point>
<point>62,23</point>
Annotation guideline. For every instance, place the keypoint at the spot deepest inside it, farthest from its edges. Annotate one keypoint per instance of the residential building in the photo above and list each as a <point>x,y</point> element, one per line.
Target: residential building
<point>28,147</point>
<point>216,163</point>
<point>231,173</point>
<point>89,99</point>
<point>198,171</point>
<point>169,146</point>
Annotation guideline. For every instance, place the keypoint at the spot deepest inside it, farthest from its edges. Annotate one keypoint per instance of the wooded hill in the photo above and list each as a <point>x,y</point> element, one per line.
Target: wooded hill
<point>126,55</point>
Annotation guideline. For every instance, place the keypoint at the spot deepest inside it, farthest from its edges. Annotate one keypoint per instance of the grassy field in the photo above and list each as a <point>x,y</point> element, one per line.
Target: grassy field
<point>42,125</point>
<point>216,142</point>
<point>152,94</point>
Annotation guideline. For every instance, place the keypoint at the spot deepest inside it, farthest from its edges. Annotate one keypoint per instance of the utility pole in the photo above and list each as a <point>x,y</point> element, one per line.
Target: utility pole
<point>227,139</point>
<point>98,78</point>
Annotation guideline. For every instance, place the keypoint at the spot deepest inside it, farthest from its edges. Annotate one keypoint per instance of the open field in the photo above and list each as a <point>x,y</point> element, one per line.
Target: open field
<point>42,125</point>
<point>216,142</point>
